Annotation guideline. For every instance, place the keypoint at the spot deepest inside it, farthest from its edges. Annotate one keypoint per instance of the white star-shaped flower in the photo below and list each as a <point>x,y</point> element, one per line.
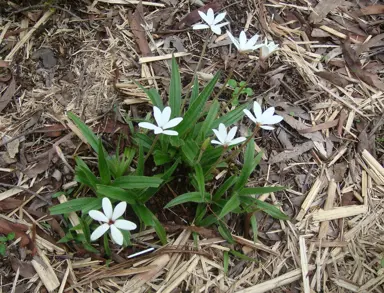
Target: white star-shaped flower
<point>163,122</point>
<point>110,221</point>
<point>267,49</point>
<point>212,22</point>
<point>243,45</point>
<point>263,119</point>
<point>226,139</point>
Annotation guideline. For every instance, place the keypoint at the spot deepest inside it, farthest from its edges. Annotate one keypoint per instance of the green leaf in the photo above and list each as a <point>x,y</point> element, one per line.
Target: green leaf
<point>249,166</point>
<point>209,119</point>
<point>225,233</point>
<point>84,174</point>
<point>153,95</point>
<point>254,227</point>
<point>105,174</point>
<point>242,83</point>
<point>232,204</point>
<point>107,249</point>
<point>90,248</point>
<point>188,197</point>
<point>260,190</point>
<point>68,237</point>
<point>175,89</point>
<point>85,229</point>
<point>11,236</point>
<point>93,204</point>
<point>132,182</point>
<point>224,187</point>
<point>271,210</point>
<point>140,162</point>
<point>195,89</point>
<point>195,110</point>
<point>248,91</point>
<point>143,213</point>
<point>88,134</point>
<point>3,239</point>
<point>190,150</point>
<point>199,176</point>
<point>69,206</point>
<point>117,193</point>
<point>143,140</point>
<point>226,261</point>
<point>160,231</point>
<point>232,83</point>
<point>208,221</point>
<point>161,157</point>
<point>2,249</point>
<point>231,117</point>
<point>242,256</point>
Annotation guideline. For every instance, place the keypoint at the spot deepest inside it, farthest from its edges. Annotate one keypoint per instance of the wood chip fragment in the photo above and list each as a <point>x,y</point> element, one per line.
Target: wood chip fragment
<point>339,212</point>
<point>310,198</point>
<point>45,271</point>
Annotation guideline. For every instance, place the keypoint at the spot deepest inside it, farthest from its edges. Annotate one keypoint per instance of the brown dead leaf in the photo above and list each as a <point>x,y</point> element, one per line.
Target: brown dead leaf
<point>322,126</point>
<point>343,116</point>
<point>194,17</point>
<point>26,268</point>
<point>323,8</point>
<point>333,77</point>
<point>293,153</point>
<point>7,227</point>
<point>10,204</point>
<point>53,130</point>
<point>352,60</point>
<point>8,94</point>
<point>296,124</point>
<point>373,9</point>
<point>4,63</point>
<point>137,24</point>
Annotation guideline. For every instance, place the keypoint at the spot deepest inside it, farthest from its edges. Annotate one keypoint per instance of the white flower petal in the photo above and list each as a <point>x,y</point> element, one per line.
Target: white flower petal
<point>147,125</point>
<point>117,236</point>
<point>107,207</point>
<point>218,135</point>
<point>249,114</point>
<point>219,17</point>
<point>170,132</point>
<point>119,210</point>
<point>237,140</point>
<point>243,39</point>
<point>216,29</point>
<point>158,130</point>
<point>221,24</point>
<point>157,115</point>
<point>267,127</point>
<point>264,51</point>
<point>216,142</point>
<point>203,16</point>
<point>266,115</point>
<point>125,225</point>
<point>257,110</point>
<point>252,41</point>
<point>165,116</point>
<point>200,26</point>
<point>231,134</point>
<point>234,41</point>
<point>99,232</point>
<point>210,16</point>
<point>223,131</point>
<point>273,119</point>
<point>173,122</point>
<point>98,216</point>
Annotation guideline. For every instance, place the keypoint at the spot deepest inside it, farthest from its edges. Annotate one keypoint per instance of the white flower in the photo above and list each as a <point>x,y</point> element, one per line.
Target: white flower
<point>261,119</point>
<point>110,219</point>
<point>226,139</point>
<point>243,45</point>
<point>267,49</point>
<point>212,21</point>
<point>163,121</point>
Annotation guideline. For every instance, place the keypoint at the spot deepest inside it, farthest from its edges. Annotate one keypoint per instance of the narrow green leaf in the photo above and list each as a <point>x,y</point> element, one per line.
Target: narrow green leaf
<point>231,117</point>
<point>195,110</point>
<point>93,204</point>
<point>199,176</point>
<point>175,89</point>
<point>132,182</point>
<point>117,193</point>
<point>271,210</point>
<point>242,256</point>
<point>90,248</point>
<point>105,174</point>
<point>226,261</point>
<point>224,187</point>
<point>195,89</point>
<point>208,221</point>
<point>143,213</point>
<point>160,231</point>
<point>187,197</point>
<point>254,227</point>
<point>2,249</point>
<point>140,162</point>
<point>143,140</point>
<point>206,128</point>
<point>85,229</point>
<point>161,157</point>
<point>88,134</point>
<point>248,166</point>
<point>153,95</point>
<point>69,206</point>
<point>232,204</point>
<point>83,169</point>
<point>225,233</point>
<point>260,190</point>
<point>107,249</point>
<point>190,150</point>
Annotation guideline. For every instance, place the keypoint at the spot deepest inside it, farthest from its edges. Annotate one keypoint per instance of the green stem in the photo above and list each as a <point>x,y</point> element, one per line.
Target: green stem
<point>203,52</point>
<point>152,147</point>
<point>237,152</point>
<point>217,161</point>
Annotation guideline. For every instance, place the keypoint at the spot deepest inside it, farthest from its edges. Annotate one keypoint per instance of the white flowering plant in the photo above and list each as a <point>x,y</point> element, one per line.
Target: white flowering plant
<point>187,138</point>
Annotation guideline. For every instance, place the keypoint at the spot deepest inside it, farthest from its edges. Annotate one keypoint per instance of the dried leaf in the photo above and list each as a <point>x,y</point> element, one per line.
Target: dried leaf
<point>194,17</point>
<point>9,204</point>
<point>373,9</point>
<point>7,96</point>
<point>295,152</point>
<point>4,63</point>
<point>47,57</point>
<point>26,268</point>
<point>7,227</point>
<point>322,126</point>
<point>323,8</point>
<point>333,77</point>
<point>315,136</point>
<point>137,24</point>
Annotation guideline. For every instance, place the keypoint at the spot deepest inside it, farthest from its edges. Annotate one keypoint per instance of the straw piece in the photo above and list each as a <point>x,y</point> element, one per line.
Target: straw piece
<point>339,212</point>
<point>163,57</point>
<point>304,264</point>
<point>310,198</point>
<point>45,271</point>
<point>328,205</point>
<point>73,217</point>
